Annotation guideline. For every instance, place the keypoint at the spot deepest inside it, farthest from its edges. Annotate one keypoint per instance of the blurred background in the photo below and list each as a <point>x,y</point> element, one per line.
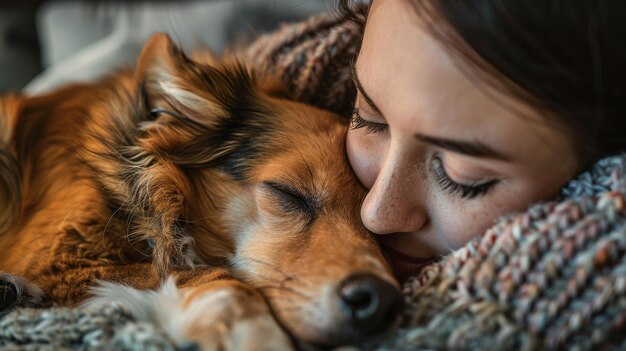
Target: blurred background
<point>44,44</point>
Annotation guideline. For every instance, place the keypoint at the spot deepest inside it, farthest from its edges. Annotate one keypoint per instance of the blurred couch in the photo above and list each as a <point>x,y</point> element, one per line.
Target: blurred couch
<point>20,58</point>
<point>65,41</point>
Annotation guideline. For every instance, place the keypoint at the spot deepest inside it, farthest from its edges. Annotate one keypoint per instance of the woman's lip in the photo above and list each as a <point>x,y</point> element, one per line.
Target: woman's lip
<point>404,266</point>
<point>397,255</point>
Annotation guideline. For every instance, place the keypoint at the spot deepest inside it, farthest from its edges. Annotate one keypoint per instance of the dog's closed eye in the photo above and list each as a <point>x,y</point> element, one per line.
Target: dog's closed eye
<point>292,200</point>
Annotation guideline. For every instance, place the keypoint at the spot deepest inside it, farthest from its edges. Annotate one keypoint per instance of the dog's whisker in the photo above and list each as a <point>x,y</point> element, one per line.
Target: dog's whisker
<point>110,219</point>
<point>292,309</point>
<point>272,266</point>
<point>306,164</point>
<point>192,221</point>
<point>280,280</point>
<point>284,288</point>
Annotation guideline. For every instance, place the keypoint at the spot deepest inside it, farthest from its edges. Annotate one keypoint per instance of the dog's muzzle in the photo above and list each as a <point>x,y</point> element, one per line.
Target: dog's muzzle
<point>369,303</point>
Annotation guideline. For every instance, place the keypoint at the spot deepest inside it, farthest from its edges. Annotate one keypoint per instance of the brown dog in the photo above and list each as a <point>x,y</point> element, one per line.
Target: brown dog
<point>199,172</point>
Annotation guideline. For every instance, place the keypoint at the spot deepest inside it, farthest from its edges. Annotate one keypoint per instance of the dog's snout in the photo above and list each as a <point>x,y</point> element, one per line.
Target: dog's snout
<point>370,303</point>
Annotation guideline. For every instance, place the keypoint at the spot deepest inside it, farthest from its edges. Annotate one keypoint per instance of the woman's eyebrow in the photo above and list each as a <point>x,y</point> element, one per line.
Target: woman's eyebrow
<point>476,149</point>
<point>359,87</point>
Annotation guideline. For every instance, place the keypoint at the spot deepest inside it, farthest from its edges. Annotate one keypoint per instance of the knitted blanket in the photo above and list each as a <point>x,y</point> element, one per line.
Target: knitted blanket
<point>553,277</point>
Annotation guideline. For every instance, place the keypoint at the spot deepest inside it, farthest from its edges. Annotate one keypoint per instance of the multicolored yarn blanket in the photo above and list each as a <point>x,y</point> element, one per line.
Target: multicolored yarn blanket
<point>553,277</point>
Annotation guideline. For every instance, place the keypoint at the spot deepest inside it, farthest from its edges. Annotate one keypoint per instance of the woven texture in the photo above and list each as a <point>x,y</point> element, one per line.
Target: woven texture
<point>108,328</point>
<point>553,277</point>
<point>312,58</point>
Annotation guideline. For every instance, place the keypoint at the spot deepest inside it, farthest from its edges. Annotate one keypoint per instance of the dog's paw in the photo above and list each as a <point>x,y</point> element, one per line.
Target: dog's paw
<point>17,292</point>
<point>240,333</point>
<point>213,316</point>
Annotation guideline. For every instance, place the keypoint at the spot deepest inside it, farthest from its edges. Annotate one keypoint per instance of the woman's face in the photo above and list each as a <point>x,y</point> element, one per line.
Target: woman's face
<point>442,154</point>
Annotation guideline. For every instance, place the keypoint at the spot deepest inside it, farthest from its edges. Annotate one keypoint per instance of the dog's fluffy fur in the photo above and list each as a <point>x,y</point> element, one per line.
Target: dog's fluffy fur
<point>228,187</point>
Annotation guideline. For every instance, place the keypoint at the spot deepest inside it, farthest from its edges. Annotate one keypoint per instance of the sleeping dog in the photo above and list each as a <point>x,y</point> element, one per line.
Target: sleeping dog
<point>197,196</point>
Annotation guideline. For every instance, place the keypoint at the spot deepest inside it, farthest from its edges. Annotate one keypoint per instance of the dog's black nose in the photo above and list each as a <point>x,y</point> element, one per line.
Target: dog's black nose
<point>370,303</point>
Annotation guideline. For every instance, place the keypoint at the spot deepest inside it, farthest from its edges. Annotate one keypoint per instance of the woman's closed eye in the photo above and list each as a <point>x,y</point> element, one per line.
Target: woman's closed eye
<point>357,122</point>
<point>465,191</point>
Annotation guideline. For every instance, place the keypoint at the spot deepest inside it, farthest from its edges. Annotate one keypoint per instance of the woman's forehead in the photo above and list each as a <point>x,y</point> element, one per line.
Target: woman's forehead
<point>421,88</point>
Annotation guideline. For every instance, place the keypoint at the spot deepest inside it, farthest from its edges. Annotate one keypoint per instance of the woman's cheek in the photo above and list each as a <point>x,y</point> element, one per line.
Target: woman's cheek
<point>365,154</point>
<point>457,221</point>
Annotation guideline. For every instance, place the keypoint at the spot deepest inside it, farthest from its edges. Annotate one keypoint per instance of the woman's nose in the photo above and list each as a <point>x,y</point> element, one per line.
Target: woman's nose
<point>396,201</point>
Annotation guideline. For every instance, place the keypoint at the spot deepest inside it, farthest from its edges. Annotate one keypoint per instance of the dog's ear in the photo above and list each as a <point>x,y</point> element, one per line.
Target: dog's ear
<point>222,97</point>
<point>173,82</point>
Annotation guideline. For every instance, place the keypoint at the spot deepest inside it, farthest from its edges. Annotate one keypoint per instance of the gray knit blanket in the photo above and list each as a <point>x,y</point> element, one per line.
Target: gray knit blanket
<point>553,277</point>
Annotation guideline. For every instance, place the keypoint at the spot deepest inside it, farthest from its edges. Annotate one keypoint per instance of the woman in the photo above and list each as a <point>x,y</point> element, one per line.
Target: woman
<point>468,110</point>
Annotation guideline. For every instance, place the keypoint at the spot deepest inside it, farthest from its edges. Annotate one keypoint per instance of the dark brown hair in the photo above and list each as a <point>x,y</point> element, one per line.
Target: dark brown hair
<point>562,56</point>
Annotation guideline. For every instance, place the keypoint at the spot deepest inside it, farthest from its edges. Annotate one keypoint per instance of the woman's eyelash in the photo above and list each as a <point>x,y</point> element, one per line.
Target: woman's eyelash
<point>357,122</point>
<point>462,190</point>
